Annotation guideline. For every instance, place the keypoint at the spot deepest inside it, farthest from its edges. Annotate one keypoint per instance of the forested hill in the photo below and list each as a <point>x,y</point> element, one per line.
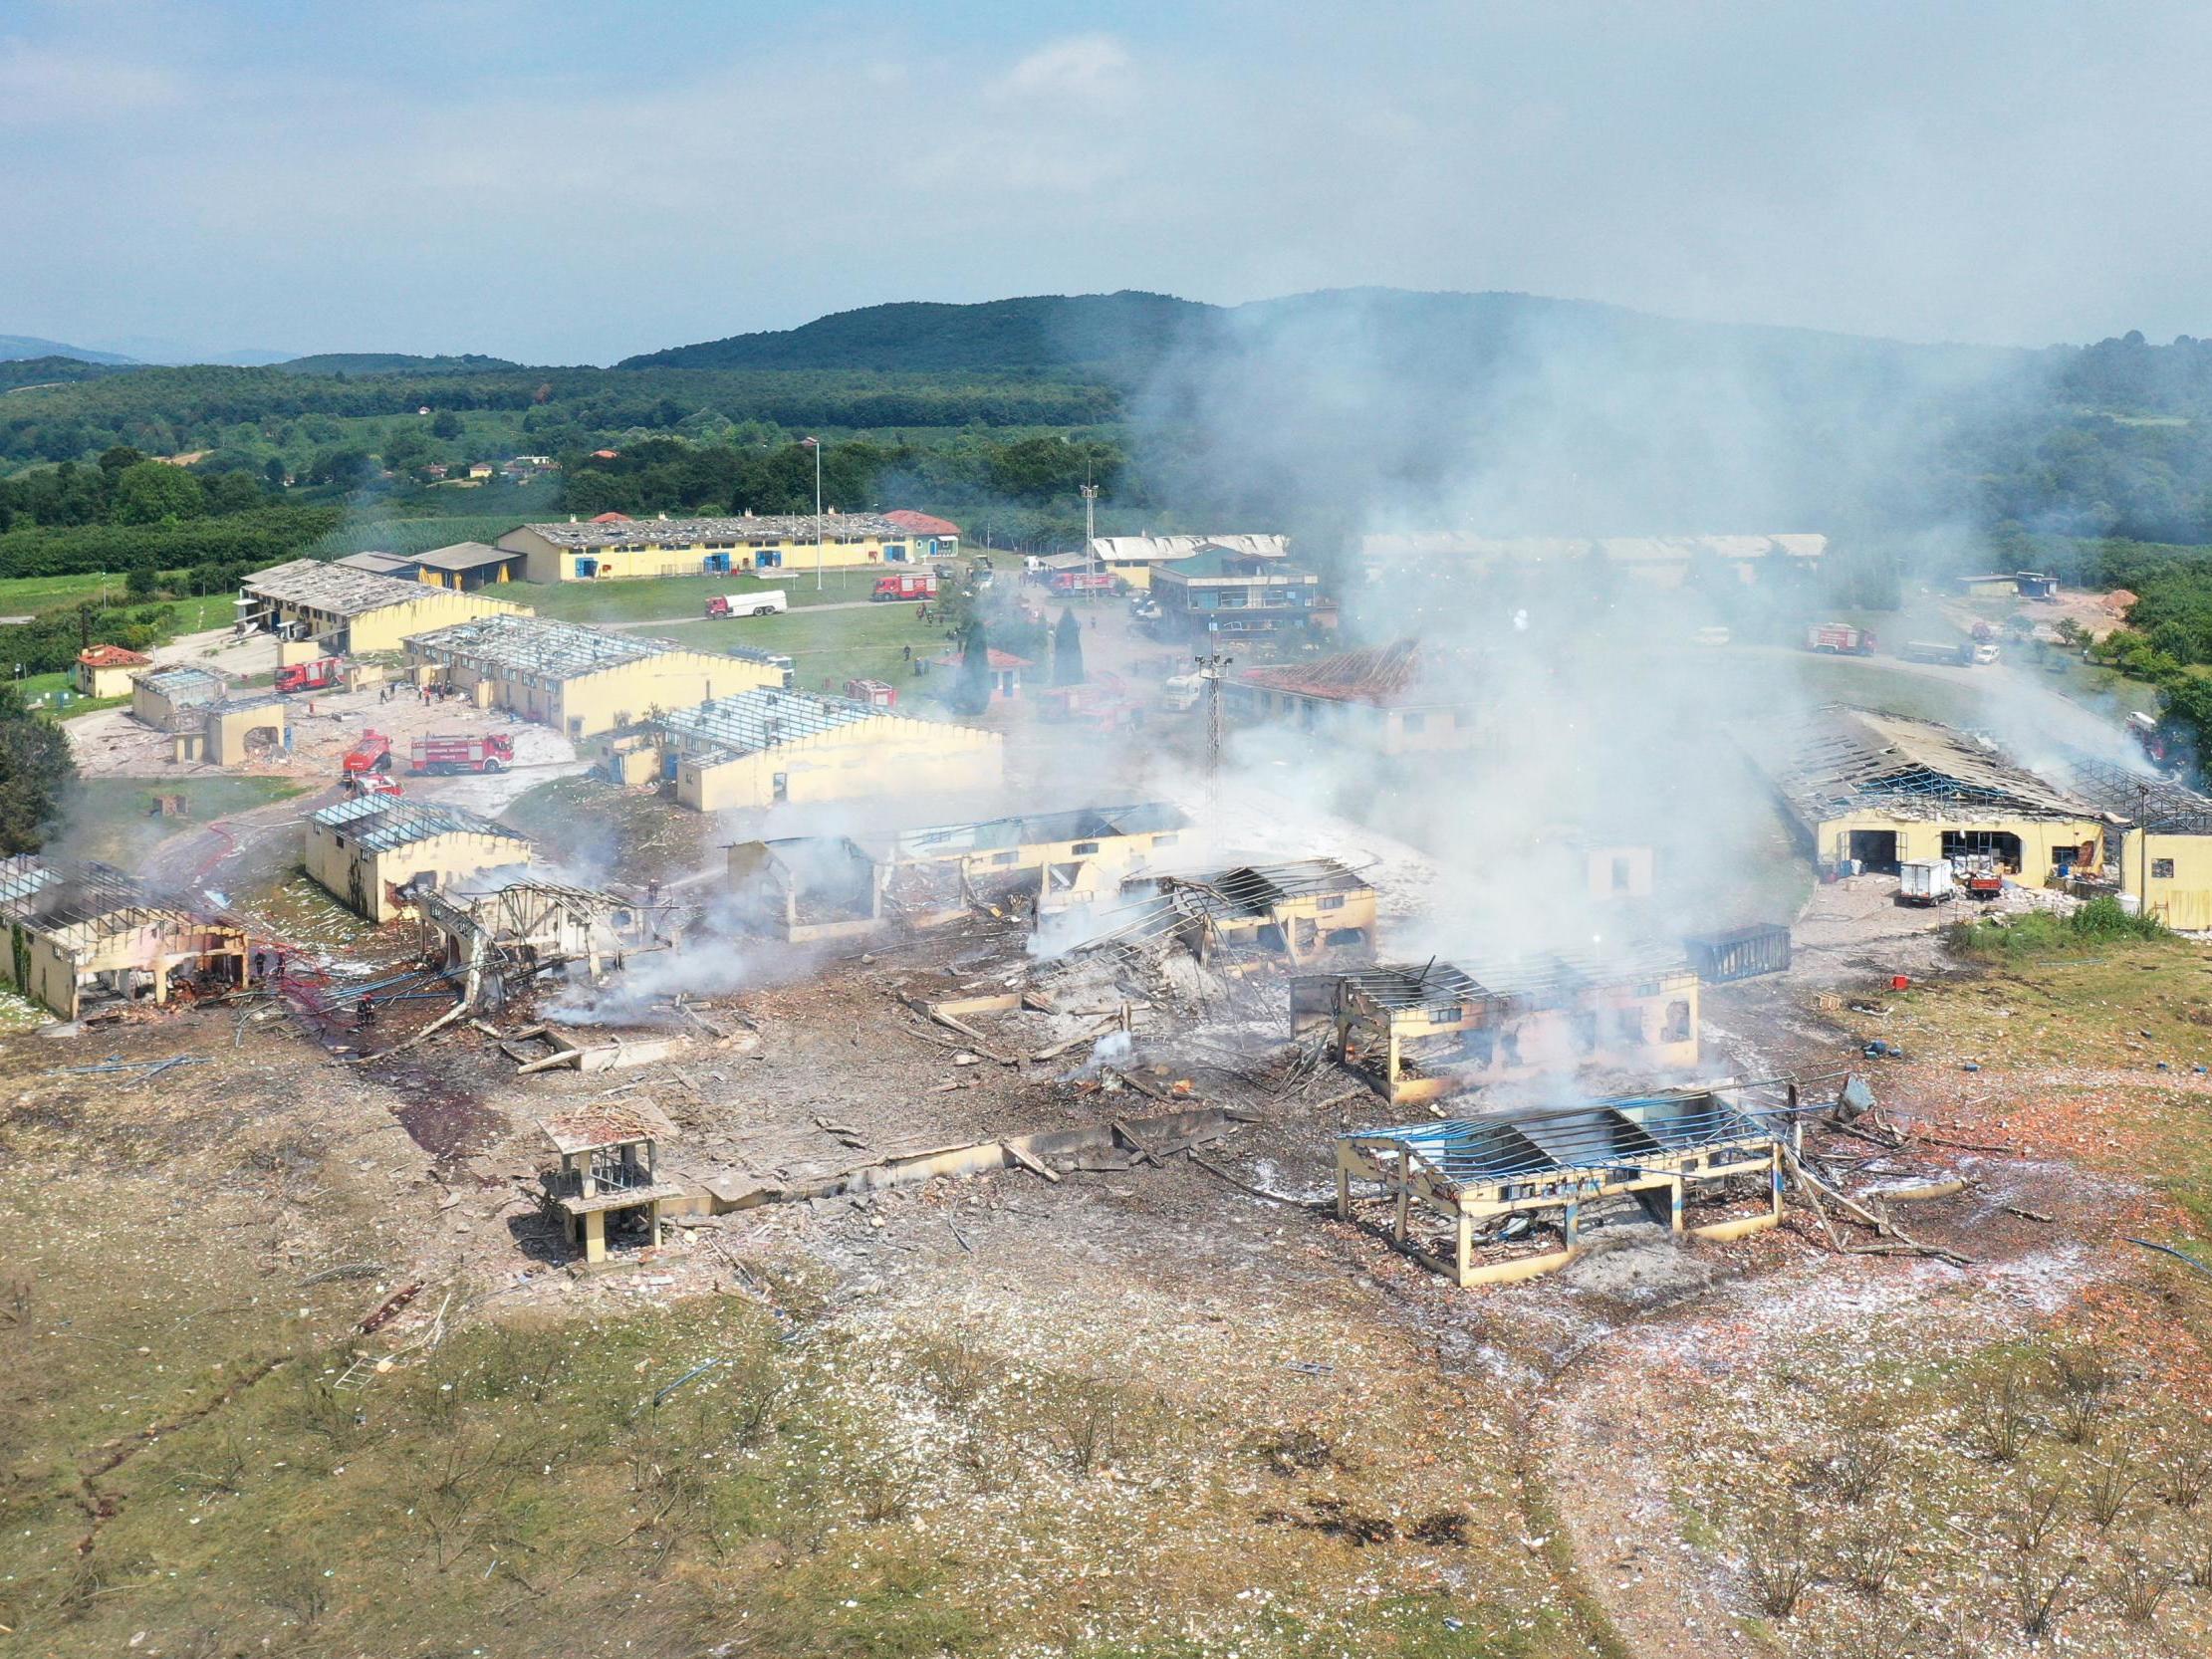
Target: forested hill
<point>1045,331</point>
<point>391,362</point>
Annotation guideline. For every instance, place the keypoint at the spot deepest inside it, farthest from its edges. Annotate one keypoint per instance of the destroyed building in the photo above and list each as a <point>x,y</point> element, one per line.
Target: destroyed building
<point>501,940</point>
<point>806,888</point>
<point>205,719</point>
<point>579,680</point>
<point>1880,790</point>
<point>616,547</point>
<point>604,1187</point>
<point>375,851</point>
<point>1394,699</point>
<point>1059,860</point>
<point>766,746</point>
<point>353,611</point>
<point>2159,849</point>
<point>1512,1193</point>
<point>1418,1032</point>
<point>1297,910</point>
<point>83,934</point>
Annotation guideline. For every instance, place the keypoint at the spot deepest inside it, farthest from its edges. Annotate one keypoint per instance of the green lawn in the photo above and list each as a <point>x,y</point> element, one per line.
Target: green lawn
<point>828,647</point>
<point>21,595</point>
<point>116,820</point>
<point>680,595</point>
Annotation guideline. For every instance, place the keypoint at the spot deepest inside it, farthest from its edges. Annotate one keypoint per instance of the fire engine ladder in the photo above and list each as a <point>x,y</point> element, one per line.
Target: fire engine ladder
<point>357,1376</point>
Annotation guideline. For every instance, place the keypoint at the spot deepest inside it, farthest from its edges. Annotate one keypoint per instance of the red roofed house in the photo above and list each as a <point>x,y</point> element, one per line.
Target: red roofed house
<point>611,518</point>
<point>1391,697</point>
<point>1006,670</point>
<point>105,670</point>
<point>934,538</point>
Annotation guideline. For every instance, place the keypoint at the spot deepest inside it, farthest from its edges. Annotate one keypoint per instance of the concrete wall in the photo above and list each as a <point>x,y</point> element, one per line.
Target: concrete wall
<point>2181,900</point>
<point>41,968</point>
<point>1923,838</point>
<point>888,755</point>
<point>104,682</point>
<point>545,561</point>
<point>362,878</point>
<point>225,733</point>
<point>590,704</point>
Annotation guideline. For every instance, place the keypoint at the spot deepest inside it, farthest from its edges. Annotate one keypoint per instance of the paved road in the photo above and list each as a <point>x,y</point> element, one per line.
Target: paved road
<point>796,610</point>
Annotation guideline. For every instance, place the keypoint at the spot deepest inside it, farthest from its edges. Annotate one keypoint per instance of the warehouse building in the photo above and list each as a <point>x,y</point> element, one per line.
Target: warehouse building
<point>1061,858</point>
<point>1135,558</point>
<point>1880,790</point>
<point>83,934</point>
<point>1297,910</point>
<point>583,681</point>
<point>1418,1032</point>
<point>168,699</point>
<point>368,852</point>
<point>1394,699</point>
<point>353,611</point>
<point>616,547</point>
<point>766,746</point>
<point>2161,849</point>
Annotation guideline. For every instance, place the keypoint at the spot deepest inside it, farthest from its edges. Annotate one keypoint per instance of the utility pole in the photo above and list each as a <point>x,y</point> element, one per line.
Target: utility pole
<point>814,444</point>
<point>1089,516</point>
<point>2142,828</point>
<point>1210,668</point>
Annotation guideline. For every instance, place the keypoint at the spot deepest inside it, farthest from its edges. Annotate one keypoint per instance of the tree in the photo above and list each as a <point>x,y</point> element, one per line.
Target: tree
<point>36,772</point>
<point>152,492</point>
<point>140,580</point>
<point>445,424</point>
<point>971,694</point>
<point>118,458</point>
<point>1067,649</point>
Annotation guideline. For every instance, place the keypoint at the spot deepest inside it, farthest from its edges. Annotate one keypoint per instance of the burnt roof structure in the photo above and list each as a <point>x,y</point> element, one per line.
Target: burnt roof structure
<point>1844,759</point>
<point>81,903</point>
<point>331,588</point>
<point>1082,823</point>
<point>2141,801</point>
<point>760,719</point>
<point>1397,675</point>
<point>1622,1134</point>
<point>510,646</point>
<point>385,822</point>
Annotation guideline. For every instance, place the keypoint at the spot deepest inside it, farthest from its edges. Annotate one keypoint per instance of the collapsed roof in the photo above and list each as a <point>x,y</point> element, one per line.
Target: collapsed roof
<point>333,589</point>
<point>761,718</point>
<point>507,646</point>
<point>1082,823</point>
<point>1384,676</point>
<point>1844,759</point>
<point>1610,1135</point>
<point>81,903</point>
<point>1537,977</point>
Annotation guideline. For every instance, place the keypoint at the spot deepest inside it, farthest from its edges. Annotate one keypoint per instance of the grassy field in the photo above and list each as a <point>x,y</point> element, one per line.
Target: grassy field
<point>828,646</point>
<point>116,820</point>
<point>683,595</point>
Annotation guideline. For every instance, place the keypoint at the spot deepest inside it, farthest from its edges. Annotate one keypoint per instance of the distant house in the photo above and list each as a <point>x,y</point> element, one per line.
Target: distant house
<point>482,469</point>
<point>105,670</point>
<point>1134,558</point>
<point>1006,670</point>
<point>2001,585</point>
<point>934,538</point>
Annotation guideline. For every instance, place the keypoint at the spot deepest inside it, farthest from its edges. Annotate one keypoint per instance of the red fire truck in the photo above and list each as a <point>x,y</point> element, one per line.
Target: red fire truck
<point>1840,639</point>
<point>310,676</point>
<point>921,585</point>
<point>1083,583</point>
<point>439,756</point>
<point>371,754</point>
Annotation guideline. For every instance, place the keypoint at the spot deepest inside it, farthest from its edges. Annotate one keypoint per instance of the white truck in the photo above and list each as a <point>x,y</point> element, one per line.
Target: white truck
<point>1925,881</point>
<point>1181,692</point>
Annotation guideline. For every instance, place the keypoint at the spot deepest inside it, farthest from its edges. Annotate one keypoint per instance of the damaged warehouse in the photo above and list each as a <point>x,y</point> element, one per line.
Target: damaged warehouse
<point>1877,791</point>
<point>506,938</point>
<point>1420,1033</point>
<point>86,933</point>
<point>581,681</point>
<point>767,745</point>
<point>1297,910</point>
<point>1500,1183</point>
<point>353,612</point>
<point>375,851</point>
<point>806,888</point>
<point>604,1187</point>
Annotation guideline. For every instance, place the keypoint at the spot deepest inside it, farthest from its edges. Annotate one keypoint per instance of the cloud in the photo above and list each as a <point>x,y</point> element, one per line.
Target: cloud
<point>1089,69</point>
<point>42,85</point>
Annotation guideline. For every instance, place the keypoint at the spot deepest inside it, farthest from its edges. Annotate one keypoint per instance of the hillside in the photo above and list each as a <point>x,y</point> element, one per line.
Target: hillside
<point>1041,331</point>
<point>390,362</point>
<point>53,370</point>
<point>17,346</point>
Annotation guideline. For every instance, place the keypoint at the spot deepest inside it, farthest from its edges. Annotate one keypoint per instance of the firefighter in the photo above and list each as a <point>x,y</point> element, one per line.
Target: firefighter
<point>365,1012</point>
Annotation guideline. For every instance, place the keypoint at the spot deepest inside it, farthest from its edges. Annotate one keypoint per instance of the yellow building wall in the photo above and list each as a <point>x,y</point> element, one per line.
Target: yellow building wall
<point>545,561</point>
<point>50,979</point>
<point>1110,849</point>
<point>1922,840</point>
<point>884,756</point>
<point>2182,900</point>
<point>335,860</point>
<point>225,734</point>
<point>390,628</point>
<point>104,682</point>
<point>149,705</point>
<point>595,703</point>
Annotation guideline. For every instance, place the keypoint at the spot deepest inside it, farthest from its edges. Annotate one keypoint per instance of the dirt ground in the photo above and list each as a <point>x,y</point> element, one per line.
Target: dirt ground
<point>293,1359</point>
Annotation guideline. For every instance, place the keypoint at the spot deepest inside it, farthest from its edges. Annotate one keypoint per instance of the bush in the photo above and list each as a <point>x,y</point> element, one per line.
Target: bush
<point>2102,921</point>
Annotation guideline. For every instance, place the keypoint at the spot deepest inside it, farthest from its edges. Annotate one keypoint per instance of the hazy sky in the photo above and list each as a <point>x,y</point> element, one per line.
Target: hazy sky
<point>568,182</point>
